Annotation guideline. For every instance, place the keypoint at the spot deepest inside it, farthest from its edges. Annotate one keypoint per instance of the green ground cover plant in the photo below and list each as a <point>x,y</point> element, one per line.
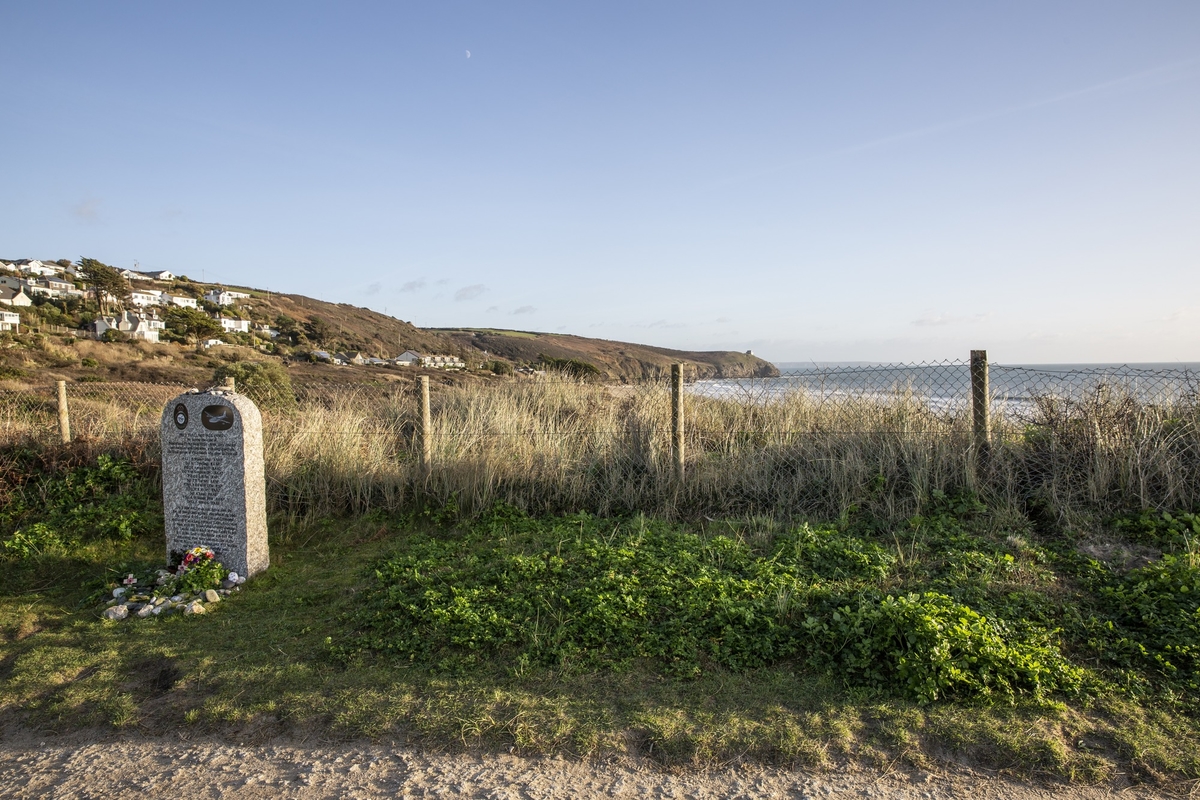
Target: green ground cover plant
<point>960,632</point>
<point>586,593</point>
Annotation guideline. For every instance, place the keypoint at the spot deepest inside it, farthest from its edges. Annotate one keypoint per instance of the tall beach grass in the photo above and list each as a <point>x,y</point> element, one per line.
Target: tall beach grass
<point>558,445</point>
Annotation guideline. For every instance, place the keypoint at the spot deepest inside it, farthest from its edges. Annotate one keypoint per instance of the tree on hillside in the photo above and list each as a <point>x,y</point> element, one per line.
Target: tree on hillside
<point>106,281</point>
<point>319,330</point>
<point>191,323</point>
<point>289,328</point>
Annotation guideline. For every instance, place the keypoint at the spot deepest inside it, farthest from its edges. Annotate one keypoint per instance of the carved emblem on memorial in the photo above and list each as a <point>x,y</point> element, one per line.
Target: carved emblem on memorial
<point>214,486</point>
<point>217,418</point>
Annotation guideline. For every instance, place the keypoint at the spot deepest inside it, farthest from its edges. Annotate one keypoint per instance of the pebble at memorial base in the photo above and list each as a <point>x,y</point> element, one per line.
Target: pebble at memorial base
<point>214,486</point>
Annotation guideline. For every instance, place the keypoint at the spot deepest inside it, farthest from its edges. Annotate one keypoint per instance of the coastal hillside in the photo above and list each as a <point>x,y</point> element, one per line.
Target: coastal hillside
<point>147,329</point>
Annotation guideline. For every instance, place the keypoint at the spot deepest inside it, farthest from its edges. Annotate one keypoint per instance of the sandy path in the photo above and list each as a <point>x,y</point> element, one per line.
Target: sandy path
<point>153,768</point>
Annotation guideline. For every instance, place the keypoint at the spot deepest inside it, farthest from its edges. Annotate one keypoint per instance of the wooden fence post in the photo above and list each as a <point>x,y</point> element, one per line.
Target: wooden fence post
<point>231,384</point>
<point>426,429</point>
<point>980,412</point>
<point>677,421</point>
<point>64,419</point>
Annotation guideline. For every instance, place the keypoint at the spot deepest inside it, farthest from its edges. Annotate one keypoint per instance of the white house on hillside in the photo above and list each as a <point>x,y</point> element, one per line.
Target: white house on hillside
<point>408,358</point>
<point>129,323</point>
<point>234,325</point>
<point>143,299</point>
<point>14,297</point>
<point>224,297</point>
<point>153,275</point>
<point>10,321</point>
<point>38,268</point>
<point>177,300</point>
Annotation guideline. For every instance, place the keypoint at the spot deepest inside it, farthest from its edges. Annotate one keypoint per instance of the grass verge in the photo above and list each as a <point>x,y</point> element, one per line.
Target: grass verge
<point>301,652</point>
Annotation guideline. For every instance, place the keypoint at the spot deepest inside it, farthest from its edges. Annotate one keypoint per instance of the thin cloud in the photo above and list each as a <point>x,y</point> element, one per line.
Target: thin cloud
<point>934,319</point>
<point>469,292</point>
<point>525,310</point>
<point>413,286</point>
<point>1122,83</point>
<point>87,209</point>
<point>490,309</point>
<point>374,288</point>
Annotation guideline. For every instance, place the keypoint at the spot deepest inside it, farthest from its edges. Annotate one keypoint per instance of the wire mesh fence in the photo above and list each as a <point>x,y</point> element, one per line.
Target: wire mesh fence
<point>812,442</point>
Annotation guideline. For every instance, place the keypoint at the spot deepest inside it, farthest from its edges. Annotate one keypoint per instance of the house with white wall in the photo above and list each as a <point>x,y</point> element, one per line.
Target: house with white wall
<point>14,297</point>
<point>234,325</point>
<point>133,325</point>
<point>39,269</point>
<point>408,358</point>
<point>144,299</point>
<point>155,275</point>
<point>10,321</point>
<point>224,297</point>
<point>178,300</point>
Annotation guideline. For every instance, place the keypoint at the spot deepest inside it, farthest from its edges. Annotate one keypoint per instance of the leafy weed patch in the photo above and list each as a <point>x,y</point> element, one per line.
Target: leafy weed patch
<point>580,593</point>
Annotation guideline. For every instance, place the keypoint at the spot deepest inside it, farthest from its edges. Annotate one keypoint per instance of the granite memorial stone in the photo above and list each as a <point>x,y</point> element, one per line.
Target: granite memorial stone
<point>214,486</point>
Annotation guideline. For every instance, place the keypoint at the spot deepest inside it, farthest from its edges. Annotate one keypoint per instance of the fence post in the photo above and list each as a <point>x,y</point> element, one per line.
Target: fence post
<point>231,384</point>
<point>426,429</point>
<point>677,421</point>
<point>64,419</point>
<point>980,412</point>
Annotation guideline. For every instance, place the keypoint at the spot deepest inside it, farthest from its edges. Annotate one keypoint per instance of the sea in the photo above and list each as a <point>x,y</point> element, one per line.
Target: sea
<point>946,386</point>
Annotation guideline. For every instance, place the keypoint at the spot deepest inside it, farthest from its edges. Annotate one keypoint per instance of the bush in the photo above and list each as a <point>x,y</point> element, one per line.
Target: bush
<point>55,510</point>
<point>267,383</point>
<point>575,367</point>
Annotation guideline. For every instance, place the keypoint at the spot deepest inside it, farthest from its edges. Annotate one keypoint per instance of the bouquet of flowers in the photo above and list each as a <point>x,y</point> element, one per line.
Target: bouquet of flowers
<point>198,570</point>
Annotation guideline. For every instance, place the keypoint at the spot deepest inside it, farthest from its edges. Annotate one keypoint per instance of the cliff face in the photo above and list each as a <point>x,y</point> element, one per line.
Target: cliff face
<point>614,360</point>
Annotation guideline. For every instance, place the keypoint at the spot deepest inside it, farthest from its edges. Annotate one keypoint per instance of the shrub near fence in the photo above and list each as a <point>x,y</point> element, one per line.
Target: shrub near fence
<point>814,443</point>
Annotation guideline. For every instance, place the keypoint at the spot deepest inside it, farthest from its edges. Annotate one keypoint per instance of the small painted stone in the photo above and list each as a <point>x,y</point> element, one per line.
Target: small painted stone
<point>211,596</point>
<point>158,610</point>
<point>147,610</point>
<point>233,576</point>
<point>116,612</point>
<point>194,607</point>
<point>176,598</point>
<point>119,591</point>
<point>228,584</point>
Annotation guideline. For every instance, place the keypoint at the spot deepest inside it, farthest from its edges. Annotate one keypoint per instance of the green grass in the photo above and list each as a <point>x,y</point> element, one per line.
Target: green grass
<point>306,648</point>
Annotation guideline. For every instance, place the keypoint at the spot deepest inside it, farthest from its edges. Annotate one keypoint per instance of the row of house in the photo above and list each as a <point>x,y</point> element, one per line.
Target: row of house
<point>144,299</point>
<point>145,325</point>
<point>31,285</point>
<point>405,359</point>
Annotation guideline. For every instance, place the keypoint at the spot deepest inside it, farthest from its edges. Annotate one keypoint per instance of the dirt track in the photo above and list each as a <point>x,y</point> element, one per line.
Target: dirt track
<point>153,768</point>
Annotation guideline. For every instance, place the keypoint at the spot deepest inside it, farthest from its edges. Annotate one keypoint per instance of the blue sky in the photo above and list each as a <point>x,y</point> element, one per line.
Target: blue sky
<point>816,181</point>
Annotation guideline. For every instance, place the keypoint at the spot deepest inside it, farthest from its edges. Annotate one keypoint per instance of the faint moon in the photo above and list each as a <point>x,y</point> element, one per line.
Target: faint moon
<point>468,54</point>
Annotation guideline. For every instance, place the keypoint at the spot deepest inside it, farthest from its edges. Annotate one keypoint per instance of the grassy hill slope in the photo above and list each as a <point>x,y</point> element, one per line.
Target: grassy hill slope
<point>310,324</point>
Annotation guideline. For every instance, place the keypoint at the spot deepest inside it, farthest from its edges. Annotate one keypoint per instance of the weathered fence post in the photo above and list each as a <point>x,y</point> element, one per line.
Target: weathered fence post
<point>64,419</point>
<point>980,412</point>
<point>231,384</point>
<point>677,421</point>
<point>426,429</point>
